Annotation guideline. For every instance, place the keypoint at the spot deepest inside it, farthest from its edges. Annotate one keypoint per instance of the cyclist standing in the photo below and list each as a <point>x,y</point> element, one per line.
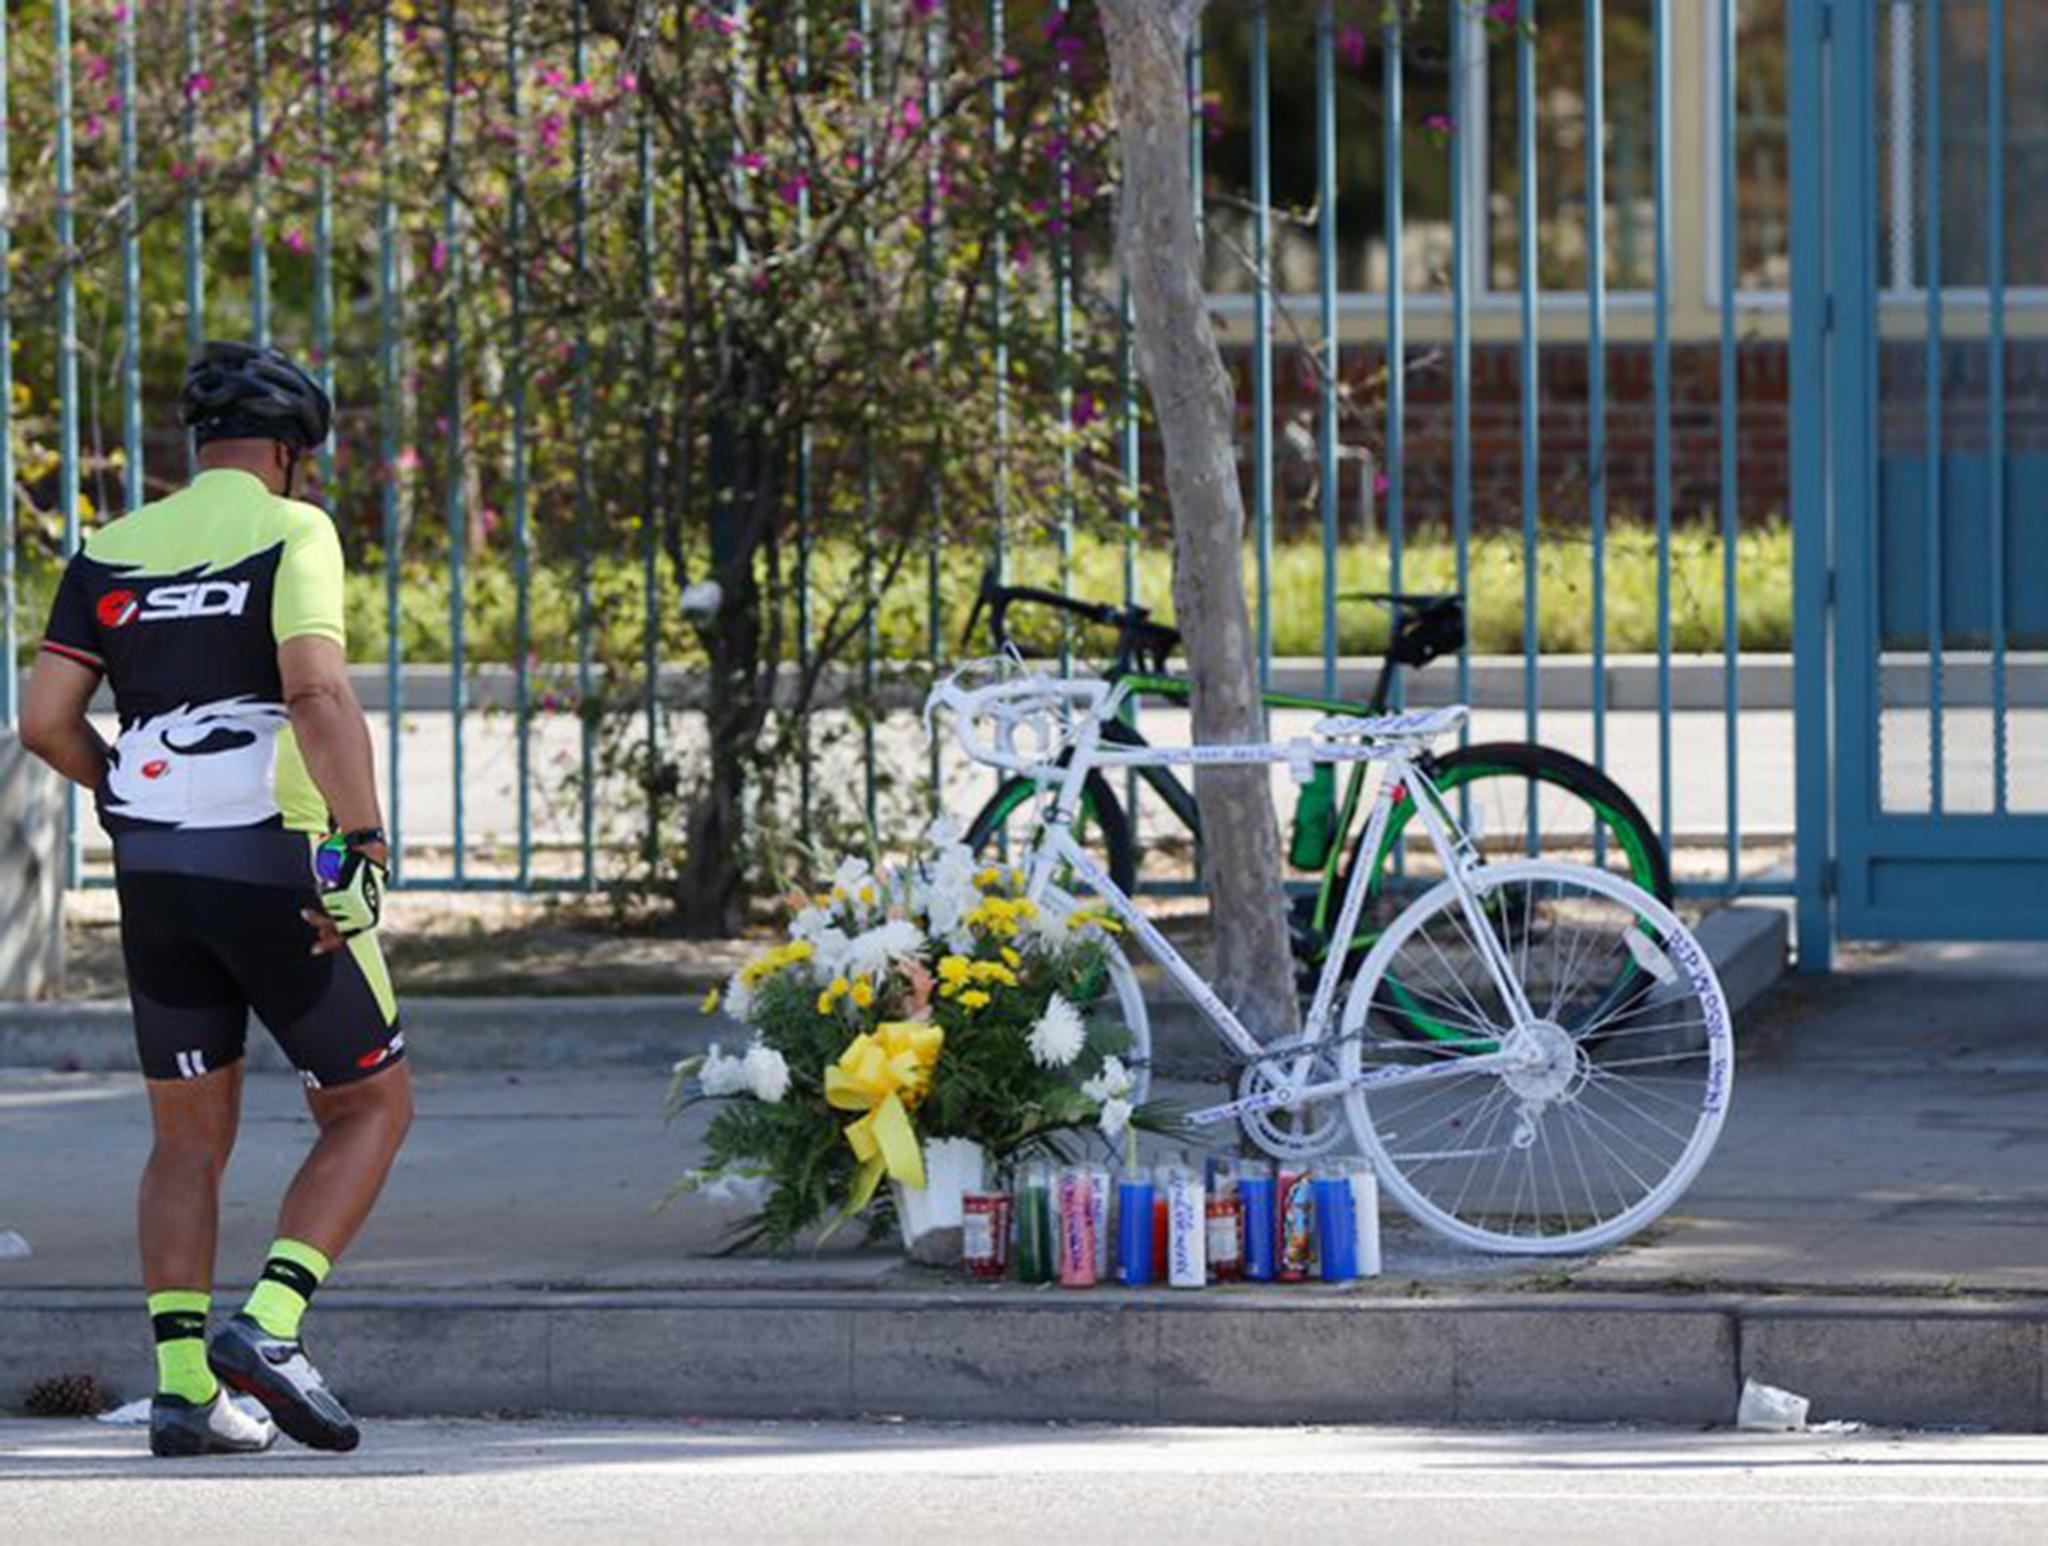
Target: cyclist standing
<point>241,800</point>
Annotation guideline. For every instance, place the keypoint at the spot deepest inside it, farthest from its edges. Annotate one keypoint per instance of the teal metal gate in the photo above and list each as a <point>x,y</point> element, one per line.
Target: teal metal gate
<point>1921,489</point>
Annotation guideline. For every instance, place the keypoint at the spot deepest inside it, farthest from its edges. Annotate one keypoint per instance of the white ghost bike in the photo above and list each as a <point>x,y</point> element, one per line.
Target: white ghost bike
<point>1536,1057</point>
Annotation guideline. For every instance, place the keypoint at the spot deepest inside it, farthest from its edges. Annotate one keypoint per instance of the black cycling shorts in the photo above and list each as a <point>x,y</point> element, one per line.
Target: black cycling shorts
<point>210,928</point>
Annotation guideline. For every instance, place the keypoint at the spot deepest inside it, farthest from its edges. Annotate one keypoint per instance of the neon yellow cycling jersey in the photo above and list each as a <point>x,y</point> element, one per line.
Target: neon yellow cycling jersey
<point>183,605</point>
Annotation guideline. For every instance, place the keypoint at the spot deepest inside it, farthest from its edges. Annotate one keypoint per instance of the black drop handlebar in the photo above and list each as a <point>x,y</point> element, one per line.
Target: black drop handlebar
<point>1427,626</point>
<point>1140,641</point>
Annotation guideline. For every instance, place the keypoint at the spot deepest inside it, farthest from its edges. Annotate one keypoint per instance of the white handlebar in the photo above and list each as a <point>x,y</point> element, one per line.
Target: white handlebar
<point>1044,710</point>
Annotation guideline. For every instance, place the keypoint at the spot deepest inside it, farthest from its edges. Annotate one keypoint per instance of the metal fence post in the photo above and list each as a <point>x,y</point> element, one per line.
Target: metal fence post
<point>1326,342</point>
<point>1811,516</point>
<point>455,498</point>
<point>9,602</point>
<point>131,277</point>
<point>392,469</point>
<point>259,178</point>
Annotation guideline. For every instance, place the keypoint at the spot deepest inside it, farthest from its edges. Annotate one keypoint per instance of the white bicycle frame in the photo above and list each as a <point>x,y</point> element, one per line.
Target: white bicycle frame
<point>1064,763</point>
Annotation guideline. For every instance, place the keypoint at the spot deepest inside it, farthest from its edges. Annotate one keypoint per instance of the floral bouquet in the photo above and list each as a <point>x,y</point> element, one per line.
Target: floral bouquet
<point>926,1002</point>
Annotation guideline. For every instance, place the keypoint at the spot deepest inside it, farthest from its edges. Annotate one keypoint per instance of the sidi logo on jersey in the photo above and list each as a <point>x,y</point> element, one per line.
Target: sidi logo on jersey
<point>117,608</point>
<point>203,598</point>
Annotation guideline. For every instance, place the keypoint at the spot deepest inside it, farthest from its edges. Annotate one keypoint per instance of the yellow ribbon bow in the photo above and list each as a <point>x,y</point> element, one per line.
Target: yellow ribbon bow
<point>885,1074</point>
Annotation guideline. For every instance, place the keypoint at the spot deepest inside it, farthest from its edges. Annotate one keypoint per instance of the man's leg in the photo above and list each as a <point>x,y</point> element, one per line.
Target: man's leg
<point>362,1127</point>
<point>362,1123</point>
<point>178,1219</point>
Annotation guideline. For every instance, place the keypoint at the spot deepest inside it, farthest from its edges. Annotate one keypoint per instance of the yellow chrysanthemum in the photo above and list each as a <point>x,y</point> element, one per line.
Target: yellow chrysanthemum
<point>863,994</point>
<point>974,998</point>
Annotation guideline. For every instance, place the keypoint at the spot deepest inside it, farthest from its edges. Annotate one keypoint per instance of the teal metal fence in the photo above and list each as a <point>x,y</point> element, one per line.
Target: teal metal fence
<point>1429,280</point>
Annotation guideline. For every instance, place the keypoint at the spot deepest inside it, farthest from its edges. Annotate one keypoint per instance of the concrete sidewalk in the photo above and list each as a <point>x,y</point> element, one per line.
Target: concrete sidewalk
<point>1870,1231</point>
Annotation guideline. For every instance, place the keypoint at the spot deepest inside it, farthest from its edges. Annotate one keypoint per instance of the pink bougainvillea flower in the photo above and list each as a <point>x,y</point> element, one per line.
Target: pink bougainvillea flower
<point>913,114</point>
<point>296,241</point>
<point>1012,67</point>
<point>1086,409</point>
<point>793,190</point>
<point>1502,10</point>
<point>1068,47</point>
<point>629,83</point>
<point>92,126</point>
<point>97,67</point>
<point>553,78</point>
<point>197,85</point>
<point>551,131</point>
<point>751,160</point>
<point>438,259</point>
<point>855,43</point>
<point>924,7</point>
<point>1441,123</point>
<point>1381,482</point>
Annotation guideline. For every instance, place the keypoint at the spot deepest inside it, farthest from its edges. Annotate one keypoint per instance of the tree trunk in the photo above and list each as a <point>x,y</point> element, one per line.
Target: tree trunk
<point>741,648</point>
<point>1191,396</point>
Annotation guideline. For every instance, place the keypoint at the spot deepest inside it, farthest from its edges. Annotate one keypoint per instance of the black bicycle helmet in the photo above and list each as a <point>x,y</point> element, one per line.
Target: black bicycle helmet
<point>236,391</point>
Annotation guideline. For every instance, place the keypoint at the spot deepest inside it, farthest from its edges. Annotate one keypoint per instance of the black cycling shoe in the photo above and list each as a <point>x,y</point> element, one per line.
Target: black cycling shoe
<point>280,1375</point>
<point>216,1427</point>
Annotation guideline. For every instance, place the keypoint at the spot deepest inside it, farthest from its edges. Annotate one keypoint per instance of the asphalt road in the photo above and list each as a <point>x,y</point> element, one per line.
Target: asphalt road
<point>507,1482</point>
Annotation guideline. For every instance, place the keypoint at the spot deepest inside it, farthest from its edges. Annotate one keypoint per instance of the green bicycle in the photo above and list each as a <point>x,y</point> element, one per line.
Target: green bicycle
<point>1511,797</point>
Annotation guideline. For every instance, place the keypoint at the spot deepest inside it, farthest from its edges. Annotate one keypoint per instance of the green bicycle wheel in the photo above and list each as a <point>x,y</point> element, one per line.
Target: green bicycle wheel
<point>1513,800</point>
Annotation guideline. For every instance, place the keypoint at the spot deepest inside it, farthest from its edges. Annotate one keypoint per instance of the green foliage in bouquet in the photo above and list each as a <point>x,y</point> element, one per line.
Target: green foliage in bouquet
<point>931,1001</point>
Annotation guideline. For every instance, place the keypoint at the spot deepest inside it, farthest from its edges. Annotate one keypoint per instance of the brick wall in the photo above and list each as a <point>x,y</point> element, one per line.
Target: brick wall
<point>1763,429</point>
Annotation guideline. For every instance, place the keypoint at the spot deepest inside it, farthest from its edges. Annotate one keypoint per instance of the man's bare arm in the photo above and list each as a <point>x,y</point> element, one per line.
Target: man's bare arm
<point>53,722</point>
<point>328,723</point>
<point>334,740</point>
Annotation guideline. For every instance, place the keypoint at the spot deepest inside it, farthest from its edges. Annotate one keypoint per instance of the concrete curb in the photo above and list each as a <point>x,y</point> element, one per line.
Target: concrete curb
<point>1115,1356</point>
<point>1748,946</point>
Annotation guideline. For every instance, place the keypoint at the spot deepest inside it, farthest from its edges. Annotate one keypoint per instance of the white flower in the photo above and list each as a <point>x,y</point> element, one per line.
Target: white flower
<point>745,1189</point>
<point>1058,1037</point>
<point>722,1075</point>
<point>810,923</point>
<point>765,1072</point>
<point>738,998</point>
<point>831,945</point>
<point>851,875</point>
<point>1112,1083</point>
<point>869,954</point>
<point>1045,930</point>
<point>944,832</point>
<point>1116,1116</point>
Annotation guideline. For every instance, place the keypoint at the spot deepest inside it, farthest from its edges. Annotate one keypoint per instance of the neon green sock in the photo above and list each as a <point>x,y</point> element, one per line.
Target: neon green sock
<point>179,1319</point>
<point>294,1270</point>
